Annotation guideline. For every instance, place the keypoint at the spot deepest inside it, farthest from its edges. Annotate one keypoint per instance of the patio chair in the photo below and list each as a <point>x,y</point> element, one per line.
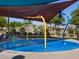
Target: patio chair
<point>18,57</point>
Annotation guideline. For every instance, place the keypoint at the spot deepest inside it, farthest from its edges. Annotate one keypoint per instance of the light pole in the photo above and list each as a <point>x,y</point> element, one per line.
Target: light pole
<point>68,21</point>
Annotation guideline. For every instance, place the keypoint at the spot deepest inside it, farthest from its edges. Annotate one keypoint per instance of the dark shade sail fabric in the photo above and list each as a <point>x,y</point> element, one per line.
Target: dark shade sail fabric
<point>47,11</point>
<point>24,2</point>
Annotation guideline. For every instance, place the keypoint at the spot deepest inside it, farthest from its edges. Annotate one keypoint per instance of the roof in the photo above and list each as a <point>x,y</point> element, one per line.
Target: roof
<point>48,11</point>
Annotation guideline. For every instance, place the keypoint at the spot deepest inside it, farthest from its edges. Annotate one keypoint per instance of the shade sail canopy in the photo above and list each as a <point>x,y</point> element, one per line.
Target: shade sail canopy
<point>24,2</point>
<point>48,11</point>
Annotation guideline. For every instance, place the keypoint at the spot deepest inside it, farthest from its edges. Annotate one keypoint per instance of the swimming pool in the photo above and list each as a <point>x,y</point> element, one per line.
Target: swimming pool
<point>37,45</point>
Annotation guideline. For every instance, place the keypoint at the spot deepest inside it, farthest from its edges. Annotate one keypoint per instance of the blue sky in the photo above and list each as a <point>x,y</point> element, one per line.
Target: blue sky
<point>67,11</point>
<point>70,9</point>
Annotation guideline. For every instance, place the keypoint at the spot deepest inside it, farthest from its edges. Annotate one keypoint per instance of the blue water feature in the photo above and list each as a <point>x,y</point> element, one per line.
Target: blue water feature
<point>37,45</point>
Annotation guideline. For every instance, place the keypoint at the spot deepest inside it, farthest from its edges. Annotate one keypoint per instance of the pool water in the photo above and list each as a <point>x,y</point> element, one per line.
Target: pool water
<point>37,45</point>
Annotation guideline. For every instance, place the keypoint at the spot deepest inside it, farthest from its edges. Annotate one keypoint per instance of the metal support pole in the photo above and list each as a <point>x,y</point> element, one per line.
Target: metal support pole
<point>8,29</point>
<point>45,36</point>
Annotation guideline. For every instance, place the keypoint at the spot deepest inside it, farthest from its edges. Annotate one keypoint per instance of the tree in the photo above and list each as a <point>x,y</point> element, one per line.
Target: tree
<point>75,13</point>
<point>75,17</point>
<point>27,22</point>
<point>71,31</point>
<point>3,22</point>
<point>35,28</point>
<point>75,20</point>
<point>15,24</point>
<point>57,20</point>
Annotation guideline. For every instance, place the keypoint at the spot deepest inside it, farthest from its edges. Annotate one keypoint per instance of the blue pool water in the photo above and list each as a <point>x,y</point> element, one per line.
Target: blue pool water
<point>37,45</point>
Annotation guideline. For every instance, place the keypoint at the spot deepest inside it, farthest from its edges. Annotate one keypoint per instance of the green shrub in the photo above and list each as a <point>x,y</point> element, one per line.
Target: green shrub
<point>71,31</point>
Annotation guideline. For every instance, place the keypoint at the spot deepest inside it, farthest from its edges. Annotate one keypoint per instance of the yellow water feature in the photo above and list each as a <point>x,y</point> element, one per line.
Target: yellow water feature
<point>42,18</point>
